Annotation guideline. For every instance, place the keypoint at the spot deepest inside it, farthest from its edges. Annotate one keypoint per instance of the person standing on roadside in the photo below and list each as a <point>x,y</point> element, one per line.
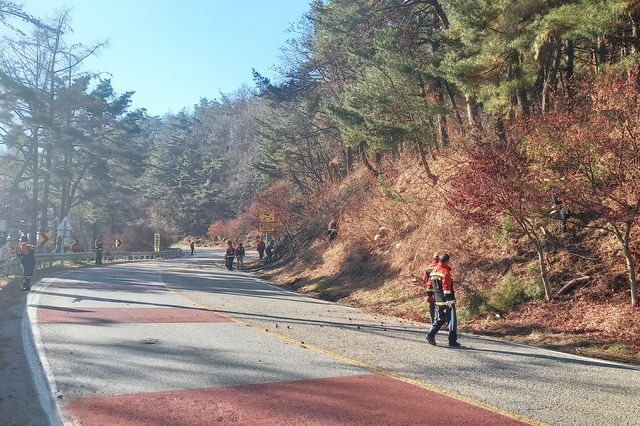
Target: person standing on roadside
<point>270,249</point>
<point>261,247</point>
<point>229,255</point>
<point>445,299</point>
<point>97,244</point>
<point>426,279</point>
<point>240,256</point>
<point>192,246</point>
<point>27,255</point>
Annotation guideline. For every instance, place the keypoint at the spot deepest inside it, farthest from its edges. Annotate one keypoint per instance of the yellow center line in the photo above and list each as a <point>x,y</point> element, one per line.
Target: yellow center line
<point>373,368</point>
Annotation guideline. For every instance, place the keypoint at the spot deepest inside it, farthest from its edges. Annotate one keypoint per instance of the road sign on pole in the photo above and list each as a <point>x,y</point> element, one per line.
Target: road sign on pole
<point>266,227</point>
<point>269,217</point>
<point>64,229</point>
<point>156,242</point>
<point>267,222</point>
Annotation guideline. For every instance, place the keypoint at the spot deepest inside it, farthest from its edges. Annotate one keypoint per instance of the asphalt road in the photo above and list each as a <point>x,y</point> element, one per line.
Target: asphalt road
<point>187,342</point>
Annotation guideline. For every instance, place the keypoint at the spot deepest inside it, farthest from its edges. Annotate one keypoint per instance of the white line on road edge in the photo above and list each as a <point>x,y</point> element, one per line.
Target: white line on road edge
<point>38,363</point>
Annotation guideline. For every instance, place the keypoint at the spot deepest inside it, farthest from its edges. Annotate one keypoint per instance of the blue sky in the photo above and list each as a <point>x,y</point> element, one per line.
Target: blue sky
<point>174,52</point>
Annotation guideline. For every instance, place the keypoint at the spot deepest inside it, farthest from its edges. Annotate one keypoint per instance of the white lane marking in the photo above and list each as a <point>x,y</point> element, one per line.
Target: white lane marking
<point>38,364</point>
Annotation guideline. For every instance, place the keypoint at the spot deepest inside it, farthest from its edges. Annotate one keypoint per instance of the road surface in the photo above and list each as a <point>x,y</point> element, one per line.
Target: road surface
<point>184,341</point>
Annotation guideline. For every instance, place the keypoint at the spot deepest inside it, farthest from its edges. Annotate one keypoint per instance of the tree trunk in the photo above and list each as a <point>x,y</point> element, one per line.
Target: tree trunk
<point>544,274</point>
<point>425,164</point>
<point>365,158</point>
<point>499,130</point>
<point>441,120</point>
<point>44,215</point>
<point>452,99</point>
<point>530,231</point>
<point>472,112</point>
<point>523,103</point>
<point>569,54</point>
<point>632,275</point>
<point>44,219</point>
<point>349,159</point>
<point>550,81</point>
<point>33,217</point>
<point>624,241</point>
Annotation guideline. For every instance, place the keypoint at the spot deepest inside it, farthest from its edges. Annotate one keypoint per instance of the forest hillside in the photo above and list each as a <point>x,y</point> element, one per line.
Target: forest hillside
<point>389,228</point>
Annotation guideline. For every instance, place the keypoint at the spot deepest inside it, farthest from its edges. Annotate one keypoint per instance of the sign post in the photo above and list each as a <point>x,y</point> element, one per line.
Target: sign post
<point>156,242</point>
<point>267,223</point>
<point>64,230</point>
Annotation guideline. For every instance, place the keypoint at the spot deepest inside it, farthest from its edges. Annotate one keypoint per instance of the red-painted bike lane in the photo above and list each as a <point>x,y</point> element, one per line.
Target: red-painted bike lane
<point>122,349</point>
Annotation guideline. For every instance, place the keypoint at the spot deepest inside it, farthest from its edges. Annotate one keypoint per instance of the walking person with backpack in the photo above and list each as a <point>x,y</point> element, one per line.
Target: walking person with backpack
<point>27,255</point>
<point>445,299</point>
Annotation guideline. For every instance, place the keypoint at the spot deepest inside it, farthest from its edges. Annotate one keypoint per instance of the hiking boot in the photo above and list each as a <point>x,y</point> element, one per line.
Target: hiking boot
<point>431,339</point>
<point>454,344</point>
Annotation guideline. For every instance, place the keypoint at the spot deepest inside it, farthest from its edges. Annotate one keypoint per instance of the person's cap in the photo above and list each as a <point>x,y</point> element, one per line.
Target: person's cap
<point>444,258</point>
<point>436,255</point>
<point>23,238</point>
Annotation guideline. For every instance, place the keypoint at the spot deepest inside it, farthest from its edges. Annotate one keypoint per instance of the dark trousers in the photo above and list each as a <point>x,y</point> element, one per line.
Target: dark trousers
<point>443,315</point>
<point>98,256</point>
<point>260,253</point>
<point>228,261</point>
<point>432,312</point>
<point>27,273</point>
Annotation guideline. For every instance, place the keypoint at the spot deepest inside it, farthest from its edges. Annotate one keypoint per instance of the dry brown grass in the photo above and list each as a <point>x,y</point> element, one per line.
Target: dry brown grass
<point>383,276</point>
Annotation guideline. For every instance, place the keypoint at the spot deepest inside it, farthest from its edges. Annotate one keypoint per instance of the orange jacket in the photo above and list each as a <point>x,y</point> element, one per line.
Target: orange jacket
<point>442,284</point>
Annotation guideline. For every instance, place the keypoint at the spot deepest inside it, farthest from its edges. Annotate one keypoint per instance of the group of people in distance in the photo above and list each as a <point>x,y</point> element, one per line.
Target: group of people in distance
<point>234,253</point>
<point>265,251</point>
<point>441,298</point>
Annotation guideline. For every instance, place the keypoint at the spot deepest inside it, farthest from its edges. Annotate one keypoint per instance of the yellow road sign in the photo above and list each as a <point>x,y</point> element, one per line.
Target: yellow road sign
<point>268,217</point>
<point>266,227</point>
<point>44,238</point>
<point>156,242</point>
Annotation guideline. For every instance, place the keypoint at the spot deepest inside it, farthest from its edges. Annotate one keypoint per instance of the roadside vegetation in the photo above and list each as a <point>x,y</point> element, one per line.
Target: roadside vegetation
<point>419,126</point>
